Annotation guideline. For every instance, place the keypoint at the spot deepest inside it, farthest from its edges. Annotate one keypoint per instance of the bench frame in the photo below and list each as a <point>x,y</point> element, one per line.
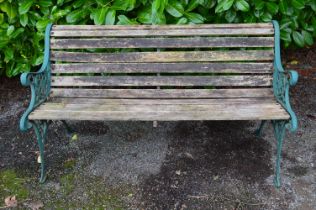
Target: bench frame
<point>40,84</point>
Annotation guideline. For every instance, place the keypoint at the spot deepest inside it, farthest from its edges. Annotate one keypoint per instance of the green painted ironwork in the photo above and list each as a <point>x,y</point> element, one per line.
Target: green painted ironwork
<point>282,80</point>
<point>40,83</point>
<point>279,131</point>
<point>40,127</point>
<point>259,130</point>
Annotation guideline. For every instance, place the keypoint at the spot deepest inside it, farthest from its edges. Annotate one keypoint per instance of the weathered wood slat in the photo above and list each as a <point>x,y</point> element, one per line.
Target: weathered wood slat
<point>160,112</point>
<point>145,57</point>
<point>201,42</point>
<point>237,81</point>
<point>162,93</point>
<point>149,107</point>
<point>160,27</point>
<point>162,32</point>
<point>61,102</point>
<point>163,68</point>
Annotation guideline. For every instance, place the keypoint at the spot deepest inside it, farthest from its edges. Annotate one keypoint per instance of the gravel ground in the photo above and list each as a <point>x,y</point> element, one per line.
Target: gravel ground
<point>178,165</point>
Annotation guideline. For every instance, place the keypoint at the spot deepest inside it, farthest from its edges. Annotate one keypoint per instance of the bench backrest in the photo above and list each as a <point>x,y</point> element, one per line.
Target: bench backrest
<point>173,61</point>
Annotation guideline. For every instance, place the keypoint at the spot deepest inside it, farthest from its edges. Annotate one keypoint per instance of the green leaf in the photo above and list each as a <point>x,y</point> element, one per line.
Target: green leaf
<point>4,41</point>
<point>38,60</point>
<point>194,17</point>
<point>259,4</point>
<point>17,32</point>
<point>285,36</point>
<point>24,20</point>
<point>123,20</point>
<point>126,5</point>
<point>157,11</point>
<point>298,38</point>
<point>223,5</point>
<point>272,7</point>
<point>266,17</point>
<point>8,54</point>
<point>144,16</point>
<point>284,7</point>
<point>175,9</point>
<point>110,17</point>
<point>312,4</point>
<point>45,3</point>
<point>75,16</point>
<point>10,30</point>
<point>230,16</point>
<point>60,2</point>
<point>285,23</point>
<point>298,4</point>
<point>41,24</point>
<point>99,15</point>
<point>20,67</point>
<point>242,5</point>
<point>182,21</point>
<point>192,5</point>
<point>1,18</point>
<point>25,6</point>
<point>9,9</point>
<point>308,38</point>
<point>208,3</point>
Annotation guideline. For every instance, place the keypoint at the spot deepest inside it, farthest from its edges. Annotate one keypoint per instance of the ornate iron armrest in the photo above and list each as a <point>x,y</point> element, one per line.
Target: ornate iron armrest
<point>39,83</point>
<point>282,80</point>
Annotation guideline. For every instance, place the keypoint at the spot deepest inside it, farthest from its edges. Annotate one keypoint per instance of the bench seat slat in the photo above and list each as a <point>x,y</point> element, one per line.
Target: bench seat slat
<point>62,102</point>
<point>160,27</point>
<point>162,32</point>
<point>201,42</point>
<point>237,81</point>
<point>123,110</point>
<point>162,93</point>
<point>163,68</point>
<point>144,57</point>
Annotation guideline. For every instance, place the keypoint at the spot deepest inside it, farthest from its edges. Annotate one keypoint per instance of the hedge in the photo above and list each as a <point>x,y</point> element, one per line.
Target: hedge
<point>23,22</point>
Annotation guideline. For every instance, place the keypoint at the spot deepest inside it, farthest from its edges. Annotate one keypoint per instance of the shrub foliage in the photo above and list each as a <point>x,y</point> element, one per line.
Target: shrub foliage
<point>22,22</point>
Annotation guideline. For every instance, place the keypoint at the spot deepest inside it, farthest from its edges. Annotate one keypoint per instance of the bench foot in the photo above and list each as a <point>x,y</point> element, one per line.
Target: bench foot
<point>69,130</point>
<point>258,132</point>
<point>279,131</point>
<point>40,128</point>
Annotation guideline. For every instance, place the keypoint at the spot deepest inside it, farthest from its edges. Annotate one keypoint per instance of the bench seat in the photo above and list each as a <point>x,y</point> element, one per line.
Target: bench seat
<point>160,109</point>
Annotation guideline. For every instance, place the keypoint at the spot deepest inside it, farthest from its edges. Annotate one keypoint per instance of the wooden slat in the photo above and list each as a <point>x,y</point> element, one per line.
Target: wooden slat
<point>162,32</point>
<point>62,102</point>
<point>165,112</point>
<point>159,27</point>
<point>144,57</point>
<point>163,68</point>
<point>162,93</point>
<point>237,81</point>
<point>147,107</point>
<point>201,42</point>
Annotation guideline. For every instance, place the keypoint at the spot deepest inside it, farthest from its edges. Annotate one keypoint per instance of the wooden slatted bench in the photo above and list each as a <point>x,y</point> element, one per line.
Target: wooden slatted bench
<point>161,73</point>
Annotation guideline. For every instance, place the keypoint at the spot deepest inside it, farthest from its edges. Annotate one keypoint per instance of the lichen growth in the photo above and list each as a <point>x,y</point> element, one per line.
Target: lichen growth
<point>11,184</point>
<point>69,164</point>
<point>67,183</point>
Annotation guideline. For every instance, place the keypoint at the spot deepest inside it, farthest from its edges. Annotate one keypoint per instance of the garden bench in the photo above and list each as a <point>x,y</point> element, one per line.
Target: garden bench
<point>161,73</point>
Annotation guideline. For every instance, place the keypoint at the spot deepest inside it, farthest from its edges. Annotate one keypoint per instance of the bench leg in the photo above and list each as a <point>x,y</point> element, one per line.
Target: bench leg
<point>279,131</point>
<point>258,132</point>
<point>40,128</point>
<point>69,130</point>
